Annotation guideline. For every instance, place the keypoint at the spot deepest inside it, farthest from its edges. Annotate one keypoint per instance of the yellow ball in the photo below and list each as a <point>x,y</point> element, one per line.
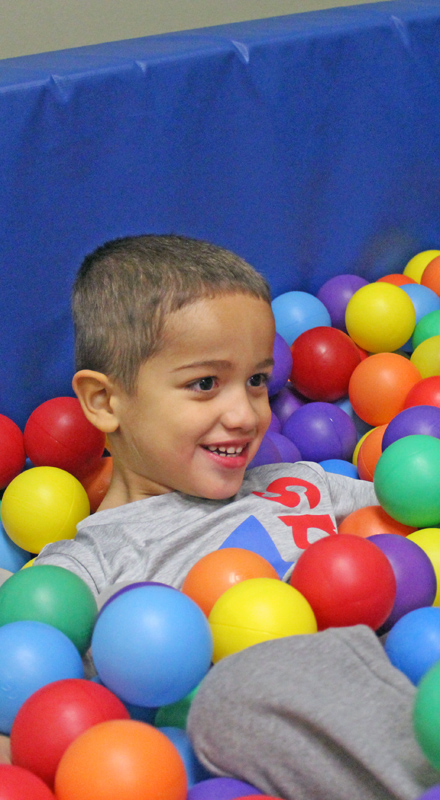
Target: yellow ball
<point>429,540</point>
<point>426,357</point>
<point>416,265</point>
<point>358,447</point>
<point>380,317</point>
<point>43,505</point>
<point>255,611</point>
<point>29,563</point>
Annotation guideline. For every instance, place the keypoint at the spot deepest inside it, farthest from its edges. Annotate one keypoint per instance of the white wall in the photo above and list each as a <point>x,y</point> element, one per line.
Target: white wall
<point>36,26</point>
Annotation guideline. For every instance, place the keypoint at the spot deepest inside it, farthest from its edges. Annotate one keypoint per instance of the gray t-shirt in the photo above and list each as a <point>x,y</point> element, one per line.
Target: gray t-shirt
<point>279,510</point>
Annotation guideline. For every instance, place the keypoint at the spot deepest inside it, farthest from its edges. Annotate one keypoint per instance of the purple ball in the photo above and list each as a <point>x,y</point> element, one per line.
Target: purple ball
<point>267,453</point>
<point>335,294</point>
<point>288,451</point>
<point>413,421</point>
<point>275,424</point>
<point>321,431</point>
<point>416,582</point>
<point>221,789</point>
<point>432,794</point>
<point>282,367</point>
<point>285,403</point>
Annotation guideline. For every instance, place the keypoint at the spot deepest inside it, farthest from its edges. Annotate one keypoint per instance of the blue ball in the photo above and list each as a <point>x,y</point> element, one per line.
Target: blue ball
<point>195,771</point>
<point>424,301</point>
<point>12,557</point>
<point>296,312</point>
<point>151,645</point>
<point>413,643</point>
<point>340,467</point>
<point>32,655</point>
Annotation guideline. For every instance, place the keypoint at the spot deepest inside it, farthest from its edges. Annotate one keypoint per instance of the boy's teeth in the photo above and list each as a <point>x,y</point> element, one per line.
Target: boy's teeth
<point>230,451</point>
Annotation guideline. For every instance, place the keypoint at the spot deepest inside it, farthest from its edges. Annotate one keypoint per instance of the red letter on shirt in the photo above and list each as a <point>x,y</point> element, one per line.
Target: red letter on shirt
<point>301,524</point>
<point>284,488</point>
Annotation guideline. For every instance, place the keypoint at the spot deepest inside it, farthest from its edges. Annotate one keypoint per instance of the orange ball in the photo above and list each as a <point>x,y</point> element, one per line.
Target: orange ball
<point>121,760</point>
<point>431,275</point>
<point>369,453</point>
<point>379,385</point>
<point>97,481</point>
<point>397,278</point>
<point>371,520</point>
<point>216,572</point>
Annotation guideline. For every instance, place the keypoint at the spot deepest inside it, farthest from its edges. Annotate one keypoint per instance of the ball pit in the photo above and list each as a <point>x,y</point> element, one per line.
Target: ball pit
<point>17,783</point>
<point>123,760</point>
<point>321,431</point>
<point>216,572</point>
<point>52,718</point>
<point>335,575</point>
<point>323,360</point>
<point>380,317</point>
<point>407,481</point>
<point>258,610</point>
<point>413,644</point>
<point>163,623</point>
<point>379,385</point>
<point>43,505</point>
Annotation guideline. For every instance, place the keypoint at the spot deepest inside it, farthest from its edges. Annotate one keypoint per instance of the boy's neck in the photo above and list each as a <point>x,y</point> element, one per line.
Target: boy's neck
<point>127,488</point>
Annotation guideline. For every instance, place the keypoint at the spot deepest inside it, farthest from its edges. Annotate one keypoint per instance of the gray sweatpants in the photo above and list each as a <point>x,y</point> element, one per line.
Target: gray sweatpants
<point>318,717</point>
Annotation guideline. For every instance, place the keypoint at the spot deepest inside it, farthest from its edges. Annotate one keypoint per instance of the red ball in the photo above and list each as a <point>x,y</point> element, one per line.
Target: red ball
<point>51,718</point>
<point>19,784</point>
<point>347,581</point>
<point>425,393</point>
<point>57,434</point>
<point>323,360</point>
<point>12,453</point>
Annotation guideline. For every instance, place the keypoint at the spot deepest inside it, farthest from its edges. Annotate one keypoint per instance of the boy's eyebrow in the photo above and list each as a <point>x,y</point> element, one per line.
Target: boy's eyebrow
<point>221,364</point>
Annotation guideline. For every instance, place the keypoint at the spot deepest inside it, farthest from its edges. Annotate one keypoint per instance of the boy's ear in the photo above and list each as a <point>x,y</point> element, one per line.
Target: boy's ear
<point>95,391</point>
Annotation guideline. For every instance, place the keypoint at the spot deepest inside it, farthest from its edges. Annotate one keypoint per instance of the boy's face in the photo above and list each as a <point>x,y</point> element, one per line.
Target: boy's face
<point>201,407</point>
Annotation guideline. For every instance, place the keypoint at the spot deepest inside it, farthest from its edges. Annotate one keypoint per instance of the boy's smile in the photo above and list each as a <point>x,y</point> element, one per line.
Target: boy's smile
<point>200,409</point>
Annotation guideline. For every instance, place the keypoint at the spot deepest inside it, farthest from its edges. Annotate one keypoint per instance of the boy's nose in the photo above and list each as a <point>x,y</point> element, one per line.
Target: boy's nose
<point>241,414</point>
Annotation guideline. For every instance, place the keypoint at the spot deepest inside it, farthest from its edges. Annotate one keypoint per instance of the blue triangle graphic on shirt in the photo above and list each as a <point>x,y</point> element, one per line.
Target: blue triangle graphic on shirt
<point>252,535</point>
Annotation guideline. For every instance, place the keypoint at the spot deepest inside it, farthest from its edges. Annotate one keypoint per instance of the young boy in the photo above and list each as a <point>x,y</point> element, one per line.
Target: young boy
<point>174,341</point>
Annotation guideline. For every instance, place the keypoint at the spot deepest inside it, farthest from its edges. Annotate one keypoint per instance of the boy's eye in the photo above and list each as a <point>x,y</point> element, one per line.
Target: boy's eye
<point>203,384</point>
<point>259,379</point>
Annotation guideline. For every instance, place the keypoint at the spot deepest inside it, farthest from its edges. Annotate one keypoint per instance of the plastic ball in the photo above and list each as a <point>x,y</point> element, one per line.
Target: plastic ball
<point>397,278</point>
<point>428,326</point>
<point>267,453</point>
<point>369,453</point>
<point>57,434</point>
<point>371,520</point>
<point>432,794</point>
<point>424,302</point>
<point>337,575</point>
<point>407,481</point>
<point>175,714</point>
<point>12,557</point>
<point>121,760</point>
<point>417,264</point>
<point>285,403</point>
<point>340,467</point>
<point>282,366</point>
<point>274,424</point>
<point>431,275</point>
<point>216,572</point>
<point>429,540</point>
<point>412,421</point>
<point>296,312</point>
<point>413,644</point>
<point>416,582</point>
<point>323,360</point>
<point>163,623</point>
<point>335,294</point>
<point>321,431</point>
<point>221,789</point>
<point>258,610</point>
<point>425,392</point>
<point>359,445</point>
<point>33,654</point>
<point>426,713</point>
<point>43,505</point>
<point>380,317</point>
<point>97,482</point>
<point>379,385</point>
<point>110,593</point>
<point>17,783</point>
<point>12,453</point>
<point>287,450</point>
<point>195,771</point>
<point>53,595</point>
<point>51,718</point>
<point>426,357</point>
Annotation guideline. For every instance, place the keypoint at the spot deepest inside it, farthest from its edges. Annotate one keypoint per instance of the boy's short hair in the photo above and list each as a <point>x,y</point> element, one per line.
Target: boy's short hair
<point>125,289</point>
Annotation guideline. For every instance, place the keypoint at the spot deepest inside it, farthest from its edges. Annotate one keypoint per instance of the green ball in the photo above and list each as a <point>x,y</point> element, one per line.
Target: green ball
<point>428,326</point>
<point>175,714</point>
<point>407,481</point>
<point>426,715</point>
<point>53,595</point>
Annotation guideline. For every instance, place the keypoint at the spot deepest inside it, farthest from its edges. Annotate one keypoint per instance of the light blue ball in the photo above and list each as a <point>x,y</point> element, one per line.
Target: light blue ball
<point>195,771</point>
<point>151,645</point>
<point>296,312</point>
<point>424,301</point>
<point>340,467</point>
<point>32,654</point>
<point>12,557</point>
<point>413,643</point>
